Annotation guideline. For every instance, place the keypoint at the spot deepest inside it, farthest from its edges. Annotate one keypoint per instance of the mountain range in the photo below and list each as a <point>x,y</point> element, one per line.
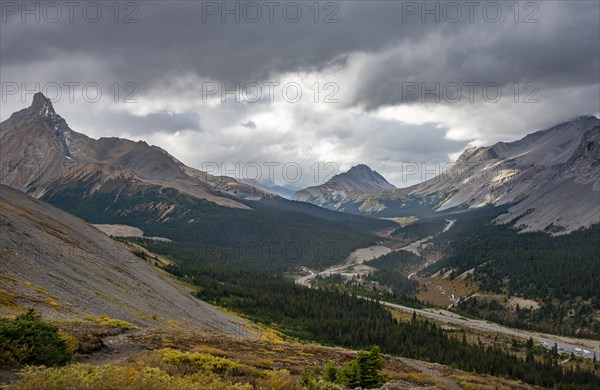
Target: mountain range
<point>286,191</point>
<point>549,178</point>
<point>234,243</point>
<point>114,181</point>
<point>40,152</point>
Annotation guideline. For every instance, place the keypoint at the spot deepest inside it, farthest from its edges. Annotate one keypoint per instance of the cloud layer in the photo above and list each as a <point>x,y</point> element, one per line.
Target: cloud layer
<point>382,83</point>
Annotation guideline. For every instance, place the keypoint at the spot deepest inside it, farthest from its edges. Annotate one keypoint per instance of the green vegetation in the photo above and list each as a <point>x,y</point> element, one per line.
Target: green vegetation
<point>364,288</point>
<point>392,271</point>
<point>362,371</point>
<point>29,340</point>
<point>275,234</point>
<point>234,267</point>
<point>388,283</point>
<point>334,318</point>
<point>162,369</point>
<point>169,368</point>
<point>562,273</point>
<point>467,221</point>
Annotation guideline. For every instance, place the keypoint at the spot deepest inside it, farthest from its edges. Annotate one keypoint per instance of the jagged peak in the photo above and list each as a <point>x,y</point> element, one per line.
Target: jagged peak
<point>360,168</point>
<point>41,105</point>
<point>363,172</point>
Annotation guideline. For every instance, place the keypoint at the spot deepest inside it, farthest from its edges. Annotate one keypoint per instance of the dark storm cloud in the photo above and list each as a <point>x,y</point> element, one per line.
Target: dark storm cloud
<point>172,37</point>
<point>373,50</point>
<point>560,50</point>
<point>178,37</point>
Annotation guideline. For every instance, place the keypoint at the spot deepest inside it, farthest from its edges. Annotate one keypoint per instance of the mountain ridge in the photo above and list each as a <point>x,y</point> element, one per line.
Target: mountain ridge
<point>38,148</point>
<point>505,173</point>
<point>360,179</point>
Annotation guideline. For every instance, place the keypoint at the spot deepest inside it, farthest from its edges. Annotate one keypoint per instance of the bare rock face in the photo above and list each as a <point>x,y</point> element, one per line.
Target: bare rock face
<point>40,151</point>
<point>568,200</point>
<point>507,172</point>
<point>34,144</point>
<point>357,181</point>
<point>584,165</point>
<point>552,177</point>
<point>65,268</point>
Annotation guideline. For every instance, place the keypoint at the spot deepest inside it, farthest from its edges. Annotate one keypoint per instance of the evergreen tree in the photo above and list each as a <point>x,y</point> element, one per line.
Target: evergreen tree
<point>370,363</point>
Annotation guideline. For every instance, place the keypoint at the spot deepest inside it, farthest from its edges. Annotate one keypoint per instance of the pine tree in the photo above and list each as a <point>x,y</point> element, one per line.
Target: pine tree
<point>370,363</point>
<point>529,355</point>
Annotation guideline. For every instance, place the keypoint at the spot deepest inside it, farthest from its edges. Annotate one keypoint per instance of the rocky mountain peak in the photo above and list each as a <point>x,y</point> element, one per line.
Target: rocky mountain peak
<point>360,167</point>
<point>360,179</point>
<point>363,172</point>
<point>37,136</point>
<point>42,105</point>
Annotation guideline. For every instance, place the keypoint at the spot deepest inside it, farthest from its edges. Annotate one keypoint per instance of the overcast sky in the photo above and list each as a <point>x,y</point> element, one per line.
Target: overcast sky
<point>322,86</point>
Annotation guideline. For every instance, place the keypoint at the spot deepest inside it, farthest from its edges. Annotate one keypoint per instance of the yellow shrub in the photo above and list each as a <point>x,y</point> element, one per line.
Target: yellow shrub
<point>104,320</point>
<point>467,386</point>
<point>201,361</point>
<point>277,380</point>
<point>118,377</point>
<point>72,343</point>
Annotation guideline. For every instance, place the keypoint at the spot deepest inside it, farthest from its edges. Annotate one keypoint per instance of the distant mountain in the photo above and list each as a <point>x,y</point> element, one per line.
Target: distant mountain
<point>357,181</point>
<point>551,177</point>
<point>40,151</point>
<point>285,191</point>
<point>65,268</point>
<point>507,172</point>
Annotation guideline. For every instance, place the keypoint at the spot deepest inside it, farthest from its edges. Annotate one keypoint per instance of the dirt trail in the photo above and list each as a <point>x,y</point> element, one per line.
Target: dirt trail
<point>429,369</point>
<point>116,349</point>
<point>8,376</point>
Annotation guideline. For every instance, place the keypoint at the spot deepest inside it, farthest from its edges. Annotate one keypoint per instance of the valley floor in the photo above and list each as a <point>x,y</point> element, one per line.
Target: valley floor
<point>364,255</point>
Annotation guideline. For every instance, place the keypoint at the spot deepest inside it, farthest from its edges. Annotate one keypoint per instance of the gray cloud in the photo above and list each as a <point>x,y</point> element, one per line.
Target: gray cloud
<point>160,122</point>
<point>249,124</point>
<point>371,53</point>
